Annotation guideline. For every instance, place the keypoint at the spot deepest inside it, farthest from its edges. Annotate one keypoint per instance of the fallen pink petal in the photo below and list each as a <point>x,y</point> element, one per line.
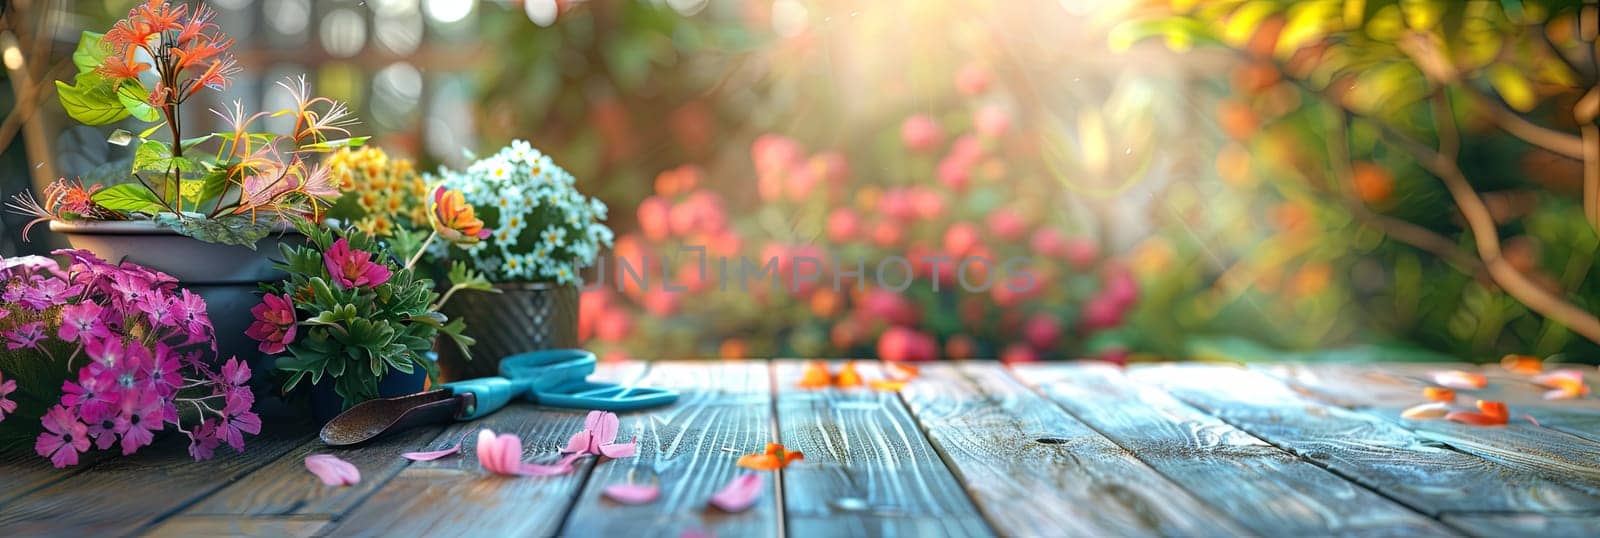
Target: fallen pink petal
<point>599,437</point>
<point>632,493</point>
<point>618,450</point>
<point>433,454</point>
<point>499,454</point>
<point>740,493</point>
<point>564,466</point>
<point>332,470</point>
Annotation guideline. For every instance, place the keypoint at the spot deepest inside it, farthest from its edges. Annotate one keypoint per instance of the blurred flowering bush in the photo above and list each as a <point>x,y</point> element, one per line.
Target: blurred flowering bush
<point>994,270</point>
<point>101,355</point>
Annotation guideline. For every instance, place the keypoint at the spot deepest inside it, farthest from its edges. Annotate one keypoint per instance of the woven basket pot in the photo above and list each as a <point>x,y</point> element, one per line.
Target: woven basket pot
<point>522,317</point>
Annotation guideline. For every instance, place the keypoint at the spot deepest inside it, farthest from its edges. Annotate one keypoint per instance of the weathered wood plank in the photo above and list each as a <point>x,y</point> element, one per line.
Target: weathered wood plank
<point>1399,385</point>
<point>1033,470</point>
<point>1268,490</point>
<point>1526,524</point>
<point>123,495</point>
<point>219,525</point>
<point>868,469</point>
<point>454,496</point>
<point>284,487</point>
<point>25,471</point>
<point>724,410</point>
<point>1521,445</point>
<point>1424,475</point>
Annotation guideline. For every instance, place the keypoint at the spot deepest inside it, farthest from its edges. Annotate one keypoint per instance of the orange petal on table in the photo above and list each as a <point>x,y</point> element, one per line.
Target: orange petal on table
<point>904,369</point>
<point>1566,384</point>
<point>848,376</point>
<point>1476,419</point>
<point>1457,379</point>
<point>887,385</point>
<point>815,376</point>
<point>773,458</point>
<point>1439,394</point>
<point>1522,364</point>
<point>1427,411</point>
<point>1494,409</point>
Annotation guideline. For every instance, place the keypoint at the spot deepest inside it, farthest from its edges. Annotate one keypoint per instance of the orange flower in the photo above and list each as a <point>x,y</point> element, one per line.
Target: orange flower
<point>888,385</point>
<point>1457,379</point>
<point>774,458</point>
<point>848,376</point>
<point>1522,364</point>
<point>905,370</point>
<point>123,66</point>
<point>453,218</point>
<point>1489,413</point>
<point>815,376</point>
<point>1439,394</point>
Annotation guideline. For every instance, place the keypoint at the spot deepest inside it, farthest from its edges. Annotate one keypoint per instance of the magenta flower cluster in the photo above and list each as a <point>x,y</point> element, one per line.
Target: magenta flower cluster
<point>139,353</point>
<point>274,325</point>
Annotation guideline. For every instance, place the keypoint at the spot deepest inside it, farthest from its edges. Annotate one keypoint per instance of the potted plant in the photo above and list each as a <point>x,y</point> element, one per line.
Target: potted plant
<point>194,207</point>
<point>101,355</point>
<point>541,232</point>
<point>356,324</point>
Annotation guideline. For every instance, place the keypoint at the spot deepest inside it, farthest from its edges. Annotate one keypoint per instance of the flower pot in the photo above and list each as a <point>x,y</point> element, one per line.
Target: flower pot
<point>326,403</point>
<point>522,317</point>
<point>226,276</point>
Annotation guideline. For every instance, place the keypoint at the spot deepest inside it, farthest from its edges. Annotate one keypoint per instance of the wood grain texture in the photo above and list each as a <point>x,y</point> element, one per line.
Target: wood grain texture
<point>1526,524</point>
<point>25,471</point>
<point>1522,445</point>
<point>222,525</point>
<point>454,496</point>
<point>724,410</point>
<point>284,487</point>
<point>1269,491</point>
<point>1396,386</point>
<point>1033,470</point>
<point>868,469</point>
<point>123,495</point>
<point>1425,475</point>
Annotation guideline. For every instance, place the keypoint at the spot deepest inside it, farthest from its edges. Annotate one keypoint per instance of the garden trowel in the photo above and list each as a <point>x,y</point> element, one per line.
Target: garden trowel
<point>555,378</point>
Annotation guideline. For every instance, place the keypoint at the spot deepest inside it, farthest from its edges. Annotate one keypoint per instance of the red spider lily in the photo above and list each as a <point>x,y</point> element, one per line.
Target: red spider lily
<point>61,198</point>
<point>198,51</point>
<point>127,34</point>
<point>311,125</point>
<point>123,66</point>
<point>215,76</point>
<point>197,25</point>
<point>160,15</point>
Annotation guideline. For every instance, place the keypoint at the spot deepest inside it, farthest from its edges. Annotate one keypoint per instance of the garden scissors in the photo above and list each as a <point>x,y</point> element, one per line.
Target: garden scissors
<point>556,378</point>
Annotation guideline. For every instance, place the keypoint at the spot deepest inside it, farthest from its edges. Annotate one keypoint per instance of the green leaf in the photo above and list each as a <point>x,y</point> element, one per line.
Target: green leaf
<point>1513,87</point>
<point>91,52</point>
<point>235,230</point>
<point>91,100</point>
<point>128,198</point>
<point>208,187</point>
<point>152,155</point>
<point>135,99</point>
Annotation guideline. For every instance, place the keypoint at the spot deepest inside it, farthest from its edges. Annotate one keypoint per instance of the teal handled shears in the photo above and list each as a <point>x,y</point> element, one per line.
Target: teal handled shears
<point>555,378</point>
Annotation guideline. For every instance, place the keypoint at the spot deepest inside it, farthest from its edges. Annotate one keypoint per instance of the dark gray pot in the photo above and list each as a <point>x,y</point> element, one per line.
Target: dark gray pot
<point>522,317</point>
<point>226,276</point>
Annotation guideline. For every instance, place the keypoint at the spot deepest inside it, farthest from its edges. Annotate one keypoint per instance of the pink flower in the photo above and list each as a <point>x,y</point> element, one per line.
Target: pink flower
<point>1047,242</point>
<point>655,218</point>
<point>82,320</point>
<point>203,440</point>
<point>1042,331</point>
<point>138,422</point>
<point>960,239</point>
<point>1006,225</point>
<point>972,79</point>
<point>1081,252</point>
<point>920,133</point>
<point>64,437</point>
<point>353,268</point>
<point>190,311</point>
<point>274,326</point>
<point>992,121</point>
<point>1101,312</point>
<point>27,336</point>
<point>93,396</point>
<point>843,225</point>
<point>904,344</point>
<point>1018,353</point>
<point>7,386</point>
<point>162,372</point>
<point>239,419</point>
<point>774,154</point>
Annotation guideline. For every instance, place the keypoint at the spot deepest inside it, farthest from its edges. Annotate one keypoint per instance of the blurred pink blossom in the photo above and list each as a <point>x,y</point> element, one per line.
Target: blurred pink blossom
<point>920,133</point>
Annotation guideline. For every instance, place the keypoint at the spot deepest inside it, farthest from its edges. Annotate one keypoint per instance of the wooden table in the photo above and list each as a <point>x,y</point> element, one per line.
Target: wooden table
<point>968,448</point>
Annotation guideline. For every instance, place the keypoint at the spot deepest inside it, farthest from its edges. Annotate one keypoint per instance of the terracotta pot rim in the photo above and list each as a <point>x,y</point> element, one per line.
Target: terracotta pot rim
<point>132,227</point>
